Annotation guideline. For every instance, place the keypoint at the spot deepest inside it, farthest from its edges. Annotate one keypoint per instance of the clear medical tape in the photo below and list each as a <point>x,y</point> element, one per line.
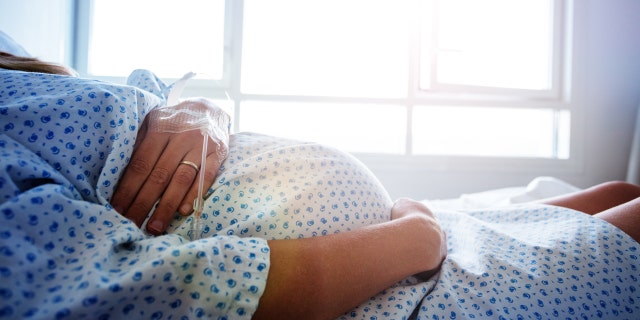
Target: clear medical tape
<point>194,114</point>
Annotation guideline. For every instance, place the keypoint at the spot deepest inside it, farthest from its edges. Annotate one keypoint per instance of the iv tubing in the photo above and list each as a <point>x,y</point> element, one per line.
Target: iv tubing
<point>198,203</point>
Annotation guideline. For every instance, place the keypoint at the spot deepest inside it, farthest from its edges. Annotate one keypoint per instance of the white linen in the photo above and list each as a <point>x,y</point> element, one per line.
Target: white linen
<point>539,188</point>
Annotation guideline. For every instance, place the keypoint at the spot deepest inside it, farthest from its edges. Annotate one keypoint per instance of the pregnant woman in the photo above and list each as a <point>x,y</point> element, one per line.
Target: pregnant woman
<point>293,229</point>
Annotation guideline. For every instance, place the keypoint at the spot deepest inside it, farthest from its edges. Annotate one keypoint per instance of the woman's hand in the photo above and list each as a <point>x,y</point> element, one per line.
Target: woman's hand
<point>436,237</point>
<point>160,169</point>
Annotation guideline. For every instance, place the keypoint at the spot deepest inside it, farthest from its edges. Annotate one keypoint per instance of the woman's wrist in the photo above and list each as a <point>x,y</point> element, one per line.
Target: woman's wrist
<point>423,230</point>
<point>427,241</point>
<point>332,274</point>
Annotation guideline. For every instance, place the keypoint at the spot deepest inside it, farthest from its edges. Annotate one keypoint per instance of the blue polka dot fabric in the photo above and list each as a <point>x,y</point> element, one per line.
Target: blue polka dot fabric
<point>64,252</point>
<point>276,188</point>
<point>534,262</point>
<point>519,262</point>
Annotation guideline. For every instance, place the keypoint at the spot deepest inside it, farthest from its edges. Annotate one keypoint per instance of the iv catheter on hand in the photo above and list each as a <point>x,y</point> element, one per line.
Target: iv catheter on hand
<point>194,114</point>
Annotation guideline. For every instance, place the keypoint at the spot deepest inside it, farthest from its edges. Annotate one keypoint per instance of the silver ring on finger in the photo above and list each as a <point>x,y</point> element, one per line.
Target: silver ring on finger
<point>191,164</point>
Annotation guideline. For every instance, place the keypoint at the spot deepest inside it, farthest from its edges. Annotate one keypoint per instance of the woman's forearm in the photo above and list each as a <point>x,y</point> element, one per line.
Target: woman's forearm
<point>323,277</point>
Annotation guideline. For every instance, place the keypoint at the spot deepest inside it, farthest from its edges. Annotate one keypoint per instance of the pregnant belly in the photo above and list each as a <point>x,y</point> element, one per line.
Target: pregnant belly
<point>276,188</point>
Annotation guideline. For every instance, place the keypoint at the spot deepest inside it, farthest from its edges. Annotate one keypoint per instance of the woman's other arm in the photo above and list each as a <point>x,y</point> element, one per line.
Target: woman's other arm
<point>324,277</point>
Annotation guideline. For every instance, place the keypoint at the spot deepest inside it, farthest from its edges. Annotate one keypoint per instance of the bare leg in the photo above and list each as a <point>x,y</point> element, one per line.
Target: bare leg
<point>625,216</point>
<point>615,202</point>
<point>597,198</point>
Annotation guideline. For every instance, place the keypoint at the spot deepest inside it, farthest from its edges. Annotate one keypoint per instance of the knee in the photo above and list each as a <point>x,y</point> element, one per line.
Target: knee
<point>620,189</point>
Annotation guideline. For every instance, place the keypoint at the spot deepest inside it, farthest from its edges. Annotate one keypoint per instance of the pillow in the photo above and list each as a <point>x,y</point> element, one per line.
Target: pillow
<point>7,44</point>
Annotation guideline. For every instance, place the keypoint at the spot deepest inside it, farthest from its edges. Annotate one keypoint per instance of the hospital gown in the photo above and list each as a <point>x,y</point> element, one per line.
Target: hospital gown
<point>65,253</point>
<point>522,261</point>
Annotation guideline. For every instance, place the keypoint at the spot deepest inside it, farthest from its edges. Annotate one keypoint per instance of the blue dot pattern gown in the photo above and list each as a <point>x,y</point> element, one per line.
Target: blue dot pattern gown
<point>65,253</point>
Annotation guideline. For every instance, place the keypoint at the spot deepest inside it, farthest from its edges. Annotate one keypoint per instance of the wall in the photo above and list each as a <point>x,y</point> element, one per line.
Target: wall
<point>612,88</point>
<point>606,62</point>
<point>42,27</point>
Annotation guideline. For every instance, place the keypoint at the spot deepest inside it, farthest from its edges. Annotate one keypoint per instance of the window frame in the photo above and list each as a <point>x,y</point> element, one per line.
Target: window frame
<point>557,98</point>
<point>201,87</point>
<point>445,90</point>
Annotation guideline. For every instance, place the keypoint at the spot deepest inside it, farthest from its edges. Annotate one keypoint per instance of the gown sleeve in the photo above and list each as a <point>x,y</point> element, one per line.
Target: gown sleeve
<point>64,252</point>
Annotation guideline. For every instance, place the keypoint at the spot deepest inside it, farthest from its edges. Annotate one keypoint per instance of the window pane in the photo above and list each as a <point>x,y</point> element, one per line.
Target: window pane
<point>167,37</point>
<point>489,132</point>
<point>354,128</point>
<point>493,43</point>
<point>326,48</point>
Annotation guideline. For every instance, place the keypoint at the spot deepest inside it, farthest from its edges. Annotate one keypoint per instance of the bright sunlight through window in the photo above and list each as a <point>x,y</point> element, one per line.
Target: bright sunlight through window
<point>402,77</point>
<point>355,48</point>
<point>169,37</point>
<point>490,43</point>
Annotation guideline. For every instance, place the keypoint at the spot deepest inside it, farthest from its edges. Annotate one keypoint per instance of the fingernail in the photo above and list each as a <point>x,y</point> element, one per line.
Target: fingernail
<point>155,227</point>
<point>185,209</point>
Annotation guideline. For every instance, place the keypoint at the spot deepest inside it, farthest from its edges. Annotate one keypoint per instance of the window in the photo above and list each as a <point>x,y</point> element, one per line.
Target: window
<point>491,131</point>
<point>333,48</point>
<point>498,44</point>
<point>380,128</point>
<point>169,37</point>
<point>399,77</point>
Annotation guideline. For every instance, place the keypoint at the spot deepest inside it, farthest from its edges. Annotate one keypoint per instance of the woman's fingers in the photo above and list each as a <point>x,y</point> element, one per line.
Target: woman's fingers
<point>151,170</point>
<point>212,167</point>
<point>182,189</point>
<point>405,206</point>
<point>142,162</point>
<point>183,178</point>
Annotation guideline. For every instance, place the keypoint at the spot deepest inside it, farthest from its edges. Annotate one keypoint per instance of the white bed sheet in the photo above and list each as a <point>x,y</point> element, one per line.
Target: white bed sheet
<point>539,188</point>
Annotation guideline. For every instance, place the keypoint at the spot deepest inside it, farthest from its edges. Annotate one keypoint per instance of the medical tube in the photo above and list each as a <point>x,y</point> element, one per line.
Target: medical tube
<point>198,203</point>
<point>194,114</point>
